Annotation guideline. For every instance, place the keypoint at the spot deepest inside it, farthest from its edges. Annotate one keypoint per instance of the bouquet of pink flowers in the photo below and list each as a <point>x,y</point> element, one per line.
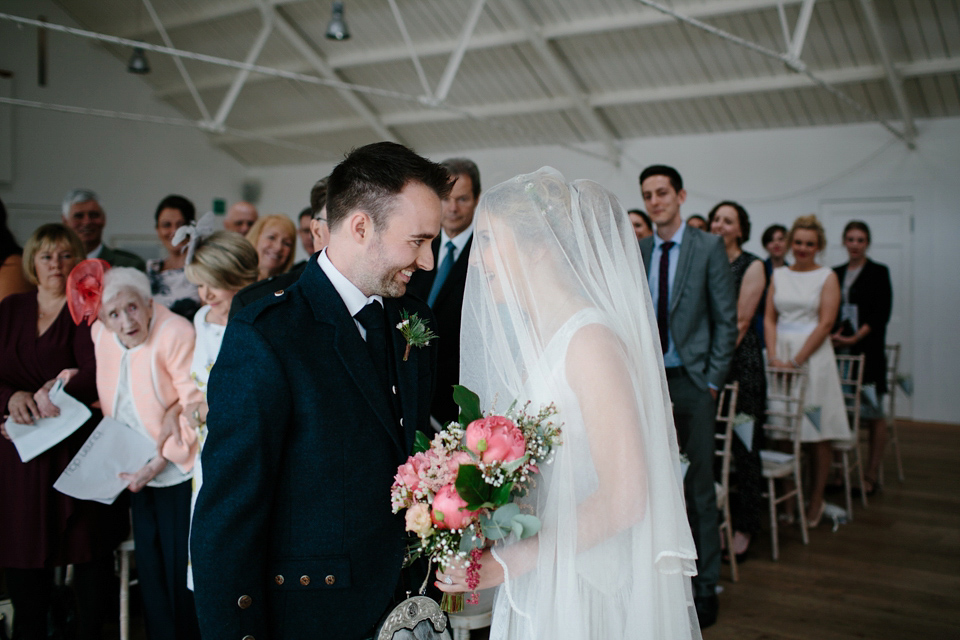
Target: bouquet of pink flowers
<point>458,489</point>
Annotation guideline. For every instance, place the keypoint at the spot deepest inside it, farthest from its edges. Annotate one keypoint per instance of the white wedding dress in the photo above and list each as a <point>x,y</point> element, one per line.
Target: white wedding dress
<point>558,312</point>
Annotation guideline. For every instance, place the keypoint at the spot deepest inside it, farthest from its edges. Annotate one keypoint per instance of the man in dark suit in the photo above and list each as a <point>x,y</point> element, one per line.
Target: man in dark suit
<point>312,408</point>
<point>693,293</point>
<point>443,287</point>
<point>82,212</point>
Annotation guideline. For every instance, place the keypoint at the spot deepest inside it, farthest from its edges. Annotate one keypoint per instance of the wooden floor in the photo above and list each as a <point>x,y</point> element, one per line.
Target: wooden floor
<point>892,573</point>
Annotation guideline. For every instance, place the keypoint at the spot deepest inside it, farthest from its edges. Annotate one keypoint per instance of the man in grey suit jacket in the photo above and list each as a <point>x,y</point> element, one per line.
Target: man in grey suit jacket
<point>693,293</point>
<point>82,212</point>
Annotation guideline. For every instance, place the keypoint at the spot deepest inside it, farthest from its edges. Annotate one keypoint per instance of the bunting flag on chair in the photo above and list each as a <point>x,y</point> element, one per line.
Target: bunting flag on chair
<point>905,382</point>
<point>743,425</point>
<point>868,396</point>
<point>813,415</point>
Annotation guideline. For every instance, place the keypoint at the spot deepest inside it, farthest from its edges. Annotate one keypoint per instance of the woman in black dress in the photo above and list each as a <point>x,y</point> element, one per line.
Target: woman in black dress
<point>730,221</point>
<point>862,328</point>
<point>42,528</point>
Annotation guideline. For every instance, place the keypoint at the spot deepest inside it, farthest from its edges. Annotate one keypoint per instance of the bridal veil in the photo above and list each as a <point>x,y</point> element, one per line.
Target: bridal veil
<point>557,309</point>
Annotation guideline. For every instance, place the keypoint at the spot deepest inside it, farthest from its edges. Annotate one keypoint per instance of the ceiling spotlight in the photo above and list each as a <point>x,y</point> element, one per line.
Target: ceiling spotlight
<point>138,62</point>
<point>337,29</point>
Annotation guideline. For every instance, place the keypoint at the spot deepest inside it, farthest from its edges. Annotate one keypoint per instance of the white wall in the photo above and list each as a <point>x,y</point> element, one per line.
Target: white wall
<point>779,175</point>
<point>131,165</point>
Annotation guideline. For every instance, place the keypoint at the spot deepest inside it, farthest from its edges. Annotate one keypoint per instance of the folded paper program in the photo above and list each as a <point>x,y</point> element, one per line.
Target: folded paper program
<point>33,439</point>
<point>94,473</point>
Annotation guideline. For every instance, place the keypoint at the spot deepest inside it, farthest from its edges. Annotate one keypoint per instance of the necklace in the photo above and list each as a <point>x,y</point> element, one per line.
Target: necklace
<point>50,308</point>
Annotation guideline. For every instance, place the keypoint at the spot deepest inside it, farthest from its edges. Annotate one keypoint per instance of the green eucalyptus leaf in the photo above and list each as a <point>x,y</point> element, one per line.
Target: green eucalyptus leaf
<point>492,529</point>
<point>505,514</point>
<point>513,465</point>
<point>469,404</point>
<point>529,525</point>
<point>420,442</point>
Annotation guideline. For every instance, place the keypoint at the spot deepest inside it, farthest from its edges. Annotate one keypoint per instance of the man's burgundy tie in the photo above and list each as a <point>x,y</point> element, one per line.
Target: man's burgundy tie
<point>663,294</point>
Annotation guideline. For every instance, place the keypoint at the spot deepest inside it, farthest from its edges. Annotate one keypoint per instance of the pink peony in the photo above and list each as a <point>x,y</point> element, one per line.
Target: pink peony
<point>457,459</point>
<point>496,439</point>
<point>408,474</point>
<point>450,510</point>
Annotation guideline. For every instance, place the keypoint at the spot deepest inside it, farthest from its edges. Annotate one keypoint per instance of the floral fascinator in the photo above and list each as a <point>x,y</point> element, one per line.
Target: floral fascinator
<point>205,227</point>
<point>85,290</point>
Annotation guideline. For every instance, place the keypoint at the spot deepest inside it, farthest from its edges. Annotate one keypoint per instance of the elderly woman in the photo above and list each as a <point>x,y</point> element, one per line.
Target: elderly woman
<point>168,283</point>
<point>274,238</point>
<point>220,265</point>
<point>43,528</point>
<point>143,353</point>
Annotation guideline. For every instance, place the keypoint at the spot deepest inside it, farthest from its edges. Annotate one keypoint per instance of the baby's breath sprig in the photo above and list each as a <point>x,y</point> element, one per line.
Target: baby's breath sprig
<point>415,331</point>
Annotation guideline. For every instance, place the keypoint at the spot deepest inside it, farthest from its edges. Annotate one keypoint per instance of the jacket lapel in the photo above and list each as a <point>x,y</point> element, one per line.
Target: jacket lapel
<point>688,248</point>
<point>328,308</point>
<point>407,373</point>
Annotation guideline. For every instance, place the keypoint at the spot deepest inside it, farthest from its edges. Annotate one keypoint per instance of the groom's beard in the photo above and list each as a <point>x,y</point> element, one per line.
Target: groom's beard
<point>383,277</point>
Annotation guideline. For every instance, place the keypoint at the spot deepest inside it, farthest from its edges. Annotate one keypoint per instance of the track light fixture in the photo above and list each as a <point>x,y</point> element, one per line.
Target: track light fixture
<point>138,62</point>
<point>337,28</point>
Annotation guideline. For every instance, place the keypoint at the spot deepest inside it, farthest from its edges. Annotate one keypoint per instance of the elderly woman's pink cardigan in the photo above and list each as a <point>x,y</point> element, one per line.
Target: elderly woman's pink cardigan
<point>160,376</point>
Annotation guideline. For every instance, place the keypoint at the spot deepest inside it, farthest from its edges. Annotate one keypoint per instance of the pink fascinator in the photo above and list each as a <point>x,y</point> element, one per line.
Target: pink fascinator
<point>85,289</point>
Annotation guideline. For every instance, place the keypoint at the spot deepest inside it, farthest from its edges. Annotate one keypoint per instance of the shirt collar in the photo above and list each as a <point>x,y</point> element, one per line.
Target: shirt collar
<point>459,242</point>
<point>676,239</point>
<point>96,252</point>
<point>349,293</point>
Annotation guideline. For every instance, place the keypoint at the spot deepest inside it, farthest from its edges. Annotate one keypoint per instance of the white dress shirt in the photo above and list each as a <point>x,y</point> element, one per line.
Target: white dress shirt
<point>349,293</point>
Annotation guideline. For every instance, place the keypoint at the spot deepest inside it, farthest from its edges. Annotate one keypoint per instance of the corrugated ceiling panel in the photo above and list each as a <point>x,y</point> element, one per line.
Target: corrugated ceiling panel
<point>283,102</point>
<point>551,128</point>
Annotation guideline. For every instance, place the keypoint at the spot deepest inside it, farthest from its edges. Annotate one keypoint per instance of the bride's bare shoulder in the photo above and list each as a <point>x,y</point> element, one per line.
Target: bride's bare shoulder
<point>595,350</point>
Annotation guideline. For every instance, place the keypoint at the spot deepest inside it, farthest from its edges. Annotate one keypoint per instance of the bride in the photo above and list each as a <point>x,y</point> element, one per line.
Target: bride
<point>557,310</point>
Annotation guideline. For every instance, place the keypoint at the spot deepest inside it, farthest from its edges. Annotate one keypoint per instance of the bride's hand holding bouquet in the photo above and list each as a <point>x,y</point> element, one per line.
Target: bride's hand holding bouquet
<point>458,490</point>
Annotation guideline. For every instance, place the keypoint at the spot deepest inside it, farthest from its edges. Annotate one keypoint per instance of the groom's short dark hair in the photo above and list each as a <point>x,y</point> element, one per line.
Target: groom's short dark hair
<point>370,177</point>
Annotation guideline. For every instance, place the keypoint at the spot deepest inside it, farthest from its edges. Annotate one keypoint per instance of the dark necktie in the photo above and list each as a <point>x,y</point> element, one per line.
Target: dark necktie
<point>663,295</point>
<point>374,323</point>
<point>442,272</point>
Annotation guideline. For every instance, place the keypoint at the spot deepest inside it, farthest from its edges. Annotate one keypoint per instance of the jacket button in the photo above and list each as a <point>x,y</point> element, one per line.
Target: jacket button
<point>244,602</point>
<point>330,579</point>
<point>401,422</point>
<point>278,293</point>
<point>278,579</point>
<point>304,580</point>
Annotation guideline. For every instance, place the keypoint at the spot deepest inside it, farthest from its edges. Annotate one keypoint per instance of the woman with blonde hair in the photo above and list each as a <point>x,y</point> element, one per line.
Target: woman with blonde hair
<point>220,264</point>
<point>274,237</point>
<point>42,528</point>
<point>801,308</point>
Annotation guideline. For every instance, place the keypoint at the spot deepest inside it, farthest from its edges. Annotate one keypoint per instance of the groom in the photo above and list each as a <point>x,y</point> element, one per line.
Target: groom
<point>312,408</point>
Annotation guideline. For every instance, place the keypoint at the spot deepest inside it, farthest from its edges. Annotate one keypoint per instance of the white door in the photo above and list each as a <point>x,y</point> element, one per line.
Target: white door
<point>891,230</point>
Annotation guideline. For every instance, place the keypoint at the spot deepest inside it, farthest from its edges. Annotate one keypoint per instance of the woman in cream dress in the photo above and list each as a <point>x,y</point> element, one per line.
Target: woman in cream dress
<point>801,308</point>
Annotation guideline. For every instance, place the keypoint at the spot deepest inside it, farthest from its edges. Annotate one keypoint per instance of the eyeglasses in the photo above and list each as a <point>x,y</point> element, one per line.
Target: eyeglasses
<point>320,219</point>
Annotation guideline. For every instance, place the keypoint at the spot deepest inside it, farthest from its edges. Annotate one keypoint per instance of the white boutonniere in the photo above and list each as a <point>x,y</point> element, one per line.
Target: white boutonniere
<point>415,331</point>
